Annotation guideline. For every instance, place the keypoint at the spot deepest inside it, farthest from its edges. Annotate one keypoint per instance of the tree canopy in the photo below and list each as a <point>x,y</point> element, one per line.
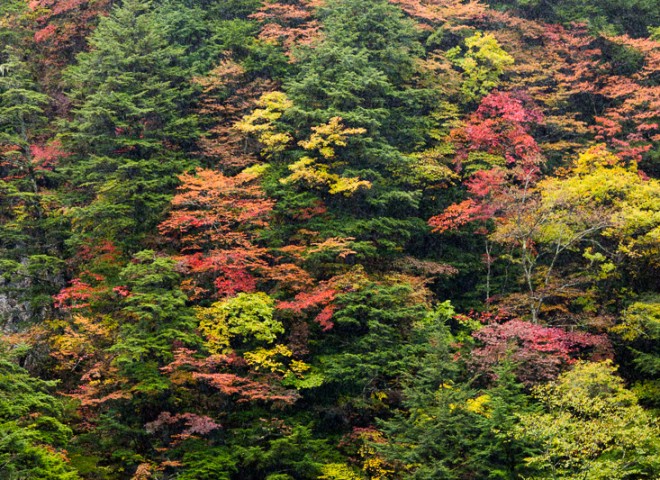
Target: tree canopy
<point>329,239</point>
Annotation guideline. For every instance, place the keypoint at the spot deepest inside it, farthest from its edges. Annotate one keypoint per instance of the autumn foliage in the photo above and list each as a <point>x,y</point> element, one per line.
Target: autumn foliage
<point>329,239</point>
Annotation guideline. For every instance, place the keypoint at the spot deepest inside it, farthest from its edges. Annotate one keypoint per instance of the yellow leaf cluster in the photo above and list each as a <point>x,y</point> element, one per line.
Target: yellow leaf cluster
<point>483,63</point>
<point>601,187</point>
<point>325,139</point>
<point>247,317</point>
<point>263,359</point>
<point>329,135</point>
<point>261,122</point>
<point>338,471</point>
<point>479,405</point>
<point>307,170</point>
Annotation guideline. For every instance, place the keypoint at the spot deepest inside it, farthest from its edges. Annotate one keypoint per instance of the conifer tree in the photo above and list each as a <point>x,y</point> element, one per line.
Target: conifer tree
<point>21,113</point>
<point>131,123</point>
<point>32,435</point>
<point>29,239</point>
<point>363,72</point>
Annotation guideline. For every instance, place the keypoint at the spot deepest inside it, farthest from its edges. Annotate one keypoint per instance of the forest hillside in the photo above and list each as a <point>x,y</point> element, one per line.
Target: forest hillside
<point>329,239</point>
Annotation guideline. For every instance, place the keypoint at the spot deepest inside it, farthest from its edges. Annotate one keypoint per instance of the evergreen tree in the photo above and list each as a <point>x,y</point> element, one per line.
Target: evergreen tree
<point>449,429</point>
<point>131,125</point>
<point>638,333</point>
<point>363,72</point>
<point>29,237</point>
<point>32,435</point>
<point>153,322</point>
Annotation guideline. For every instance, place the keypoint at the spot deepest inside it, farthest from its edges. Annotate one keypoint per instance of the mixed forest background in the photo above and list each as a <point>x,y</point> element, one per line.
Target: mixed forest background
<point>329,239</point>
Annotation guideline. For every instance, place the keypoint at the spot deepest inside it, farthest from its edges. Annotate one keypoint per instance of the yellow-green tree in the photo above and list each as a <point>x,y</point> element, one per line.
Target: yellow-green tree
<point>483,62</point>
<point>601,210</point>
<point>591,428</point>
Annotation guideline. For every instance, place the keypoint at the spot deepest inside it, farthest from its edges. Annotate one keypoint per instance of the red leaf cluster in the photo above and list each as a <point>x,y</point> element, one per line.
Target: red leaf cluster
<point>540,353</point>
<point>501,126</point>
<point>62,27</point>
<point>322,296</point>
<point>194,424</point>
<point>230,375</point>
<point>74,297</point>
<point>45,157</point>
<point>215,220</point>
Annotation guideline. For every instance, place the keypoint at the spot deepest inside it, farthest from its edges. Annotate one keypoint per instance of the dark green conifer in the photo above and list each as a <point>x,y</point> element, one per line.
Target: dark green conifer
<point>131,124</point>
